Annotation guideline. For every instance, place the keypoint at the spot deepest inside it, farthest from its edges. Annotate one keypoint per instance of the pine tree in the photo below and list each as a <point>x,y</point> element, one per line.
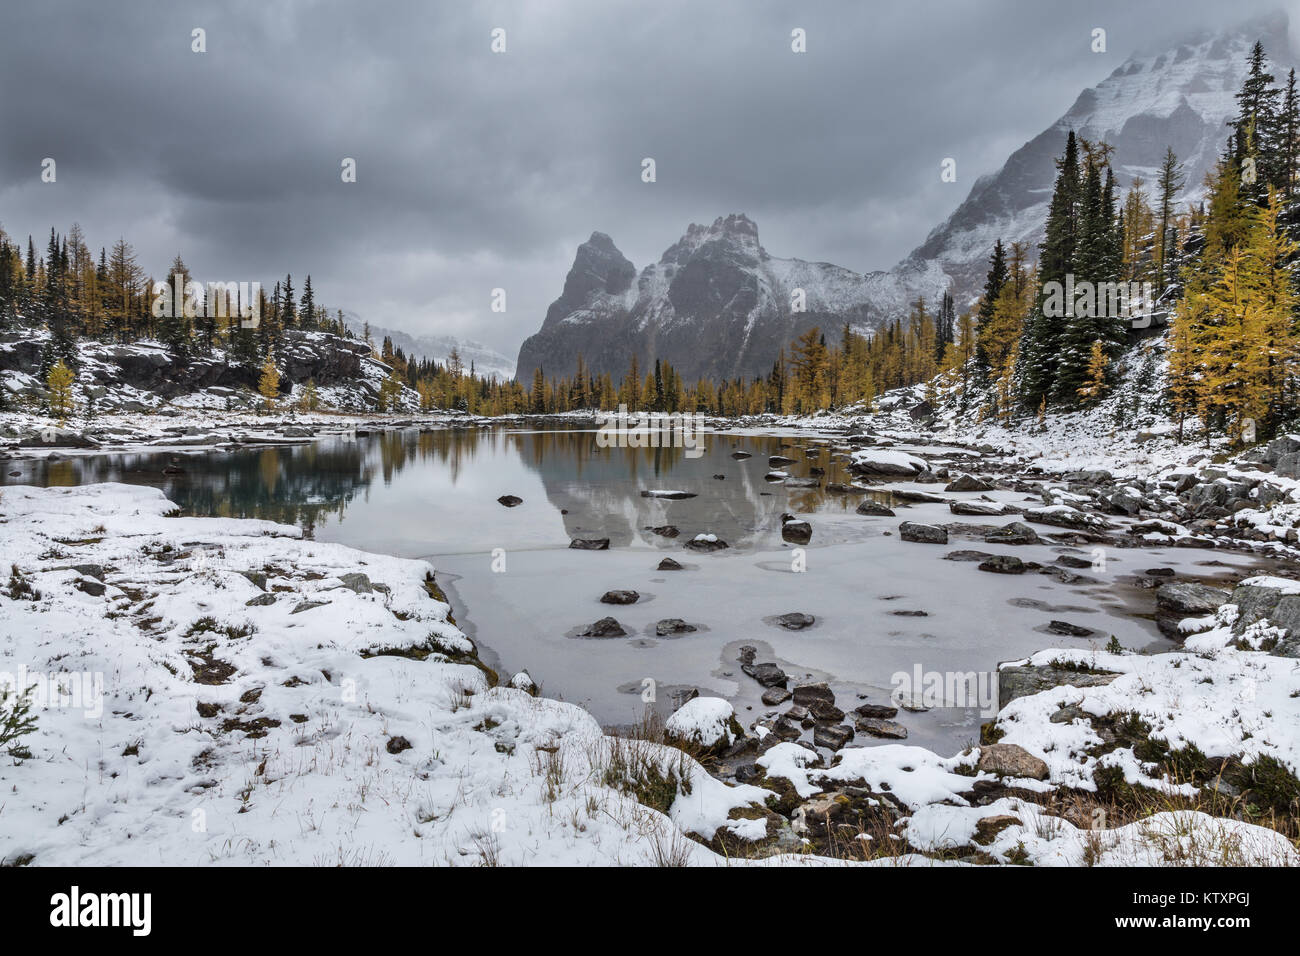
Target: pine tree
<point>1094,385</point>
<point>268,386</point>
<point>59,383</point>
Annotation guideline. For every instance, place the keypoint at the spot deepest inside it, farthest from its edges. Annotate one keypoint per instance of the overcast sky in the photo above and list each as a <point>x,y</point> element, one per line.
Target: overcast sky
<point>478,170</point>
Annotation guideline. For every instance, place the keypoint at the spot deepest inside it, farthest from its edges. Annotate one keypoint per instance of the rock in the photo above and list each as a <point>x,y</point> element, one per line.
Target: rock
<point>705,722</point>
<point>967,556</point>
<point>777,461</point>
<point>1010,760</point>
<point>823,711</point>
<point>1063,516</point>
<point>741,455</point>
<point>510,501</point>
<point>988,828</point>
<point>805,694</point>
<point>57,438</point>
<point>1024,680</point>
<point>795,621</point>
<point>922,533</point>
<point>1017,532</point>
<point>665,530</point>
<point>706,543</point>
<point>256,578</point>
<point>1160,572</point>
<point>876,711</point>
<point>786,729</point>
<point>262,600</point>
<point>885,462</point>
<point>605,627</point>
<point>769,675</point>
<point>968,483</point>
<point>668,564</point>
<point>89,586</point>
<point>619,597</point>
<point>775,696</point>
<point>1189,599</point>
<point>1069,630</point>
<point>796,532</point>
<point>836,488</point>
<point>977,508</point>
<point>670,495</point>
<point>356,581</point>
<point>1073,561</point>
<point>747,654</point>
<point>874,509</point>
<point>1004,564</point>
<point>832,736</point>
<point>590,544</point>
<point>802,483</point>
<point>396,745</point>
<point>673,625</point>
<point>879,727</point>
<point>307,606</point>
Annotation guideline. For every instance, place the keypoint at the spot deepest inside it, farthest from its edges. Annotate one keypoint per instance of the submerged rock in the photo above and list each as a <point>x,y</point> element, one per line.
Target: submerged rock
<point>795,621</point>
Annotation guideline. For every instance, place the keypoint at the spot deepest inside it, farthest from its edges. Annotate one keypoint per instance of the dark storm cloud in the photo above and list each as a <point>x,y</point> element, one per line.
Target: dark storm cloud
<point>479,170</point>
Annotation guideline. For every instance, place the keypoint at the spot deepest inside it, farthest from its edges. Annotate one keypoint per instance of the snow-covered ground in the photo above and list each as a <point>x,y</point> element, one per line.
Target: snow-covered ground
<point>229,693</point>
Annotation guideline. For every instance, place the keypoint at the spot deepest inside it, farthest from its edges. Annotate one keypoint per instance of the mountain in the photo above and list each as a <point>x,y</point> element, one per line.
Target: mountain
<point>1180,97</point>
<point>715,305</point>
<point>437,347</point>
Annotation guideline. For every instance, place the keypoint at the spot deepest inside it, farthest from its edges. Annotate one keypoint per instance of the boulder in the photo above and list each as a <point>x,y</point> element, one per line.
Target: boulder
<point>1010,760</point>
<point>966,482</point>
<point>590,544</point>
<point>805,694</point>
<point>879,727</point>
<point>605,627</point>
<point>668,564</point>
<point>705,722</point>
<point>876,711</point>
<point>769,675</point>
<point>620,597</point>
<point>795,621</point>
<point>1004,564</point>
<point>1025,680</point>
<point>796,532</point>
<point>922,533</point>
<point>873,508</point>
<point>1017,532</point>
<point>774,696</point>
<point>673,625</point>
<point>832,736</point>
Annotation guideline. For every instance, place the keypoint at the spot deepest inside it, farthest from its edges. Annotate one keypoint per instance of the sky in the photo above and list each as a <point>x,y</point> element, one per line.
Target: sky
<point>479,170</point>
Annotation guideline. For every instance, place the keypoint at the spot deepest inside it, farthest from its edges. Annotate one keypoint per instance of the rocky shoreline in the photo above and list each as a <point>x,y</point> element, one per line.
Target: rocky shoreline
<point>1072,739</point>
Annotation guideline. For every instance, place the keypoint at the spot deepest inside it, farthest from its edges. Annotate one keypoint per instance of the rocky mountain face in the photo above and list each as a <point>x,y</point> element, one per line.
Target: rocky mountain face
<point>1179,98</point>
<point>716,305</point>
<point>487,362</point>
<point>145,375</point>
